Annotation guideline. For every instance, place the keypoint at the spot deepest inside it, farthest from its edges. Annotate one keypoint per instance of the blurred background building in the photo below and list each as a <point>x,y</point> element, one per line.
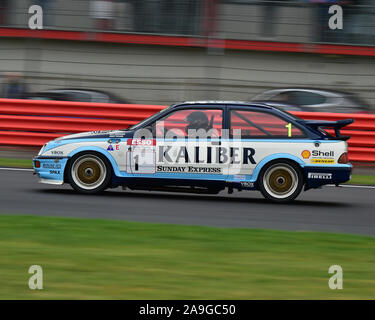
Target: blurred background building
<point>150,73</point>
<point>279,20</point>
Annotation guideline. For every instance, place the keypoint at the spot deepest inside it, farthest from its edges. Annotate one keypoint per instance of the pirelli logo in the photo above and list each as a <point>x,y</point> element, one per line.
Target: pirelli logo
<point>325,176</point>
<point>323,161</point>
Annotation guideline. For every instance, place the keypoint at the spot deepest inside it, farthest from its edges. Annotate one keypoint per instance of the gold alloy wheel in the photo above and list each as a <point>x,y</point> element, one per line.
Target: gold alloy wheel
<point>280,180</point>
<point>89,172</point>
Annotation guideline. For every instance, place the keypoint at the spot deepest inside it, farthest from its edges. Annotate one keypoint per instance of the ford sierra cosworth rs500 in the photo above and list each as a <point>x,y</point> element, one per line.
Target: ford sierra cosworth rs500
<point>203,147</point>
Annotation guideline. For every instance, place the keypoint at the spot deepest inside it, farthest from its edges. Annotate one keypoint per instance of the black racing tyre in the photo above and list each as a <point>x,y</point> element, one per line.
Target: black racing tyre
<point>281,181</point>
<point>89,172</point>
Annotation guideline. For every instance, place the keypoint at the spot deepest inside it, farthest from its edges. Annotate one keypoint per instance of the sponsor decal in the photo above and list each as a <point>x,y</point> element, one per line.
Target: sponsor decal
<point>316,175</point>
<point>57,152</point>
<point>144,157</point>
<point>115,141</point>
<point>116,134</point>
<point>112,148</point>
<point>141,142</point>
<point>323,161</point>
<point>216,155</point>
<point>188,169</point>
<point>247,184</point>
<point>239,177</point>
<point>51,166</point>
<point>54,172</point>
<point>305,154</point>
<point>323,154</point>
<point>323,157</point>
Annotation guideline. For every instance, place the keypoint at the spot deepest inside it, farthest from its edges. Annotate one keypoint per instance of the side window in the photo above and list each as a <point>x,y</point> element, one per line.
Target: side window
<point>179,123</point>
<point>99,97</point>
<point>77,96</point>
<point>304,98</point>
<point>284,97</point>
<point>254,124</point>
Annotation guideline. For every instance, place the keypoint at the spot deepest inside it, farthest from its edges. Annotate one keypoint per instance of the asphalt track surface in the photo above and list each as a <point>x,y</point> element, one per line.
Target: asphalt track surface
<point>343,210</point>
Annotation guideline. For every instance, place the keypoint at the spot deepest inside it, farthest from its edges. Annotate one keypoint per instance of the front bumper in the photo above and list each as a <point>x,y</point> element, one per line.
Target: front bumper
<point>316,177</point>
<point>50,170</point>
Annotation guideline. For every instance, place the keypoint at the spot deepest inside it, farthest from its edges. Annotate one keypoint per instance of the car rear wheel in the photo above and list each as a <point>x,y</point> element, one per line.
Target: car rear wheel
<point>89,173</point>
<point>281,181</point>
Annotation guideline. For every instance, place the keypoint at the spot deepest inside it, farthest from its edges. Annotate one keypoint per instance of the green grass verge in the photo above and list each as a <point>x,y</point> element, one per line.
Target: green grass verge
<point>25,163</point>
<point>362,179</point>
<point>16,163</point>
<point>92,259</point>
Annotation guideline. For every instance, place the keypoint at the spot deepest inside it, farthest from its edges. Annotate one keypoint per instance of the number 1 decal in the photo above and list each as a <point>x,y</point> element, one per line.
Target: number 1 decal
<point>289,127</point>
<point>141,159</point>
<point>136,165</point>
<point>141,156</point>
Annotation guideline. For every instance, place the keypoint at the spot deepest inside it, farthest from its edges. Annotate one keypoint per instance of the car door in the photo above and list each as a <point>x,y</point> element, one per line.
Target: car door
<point>185,144</point>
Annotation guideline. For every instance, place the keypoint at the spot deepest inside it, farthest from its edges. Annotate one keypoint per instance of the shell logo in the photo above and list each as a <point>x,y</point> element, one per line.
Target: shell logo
<point>305,154</point>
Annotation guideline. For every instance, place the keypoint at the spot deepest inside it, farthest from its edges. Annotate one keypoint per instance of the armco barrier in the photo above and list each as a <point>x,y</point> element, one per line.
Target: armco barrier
<point>33,123</point>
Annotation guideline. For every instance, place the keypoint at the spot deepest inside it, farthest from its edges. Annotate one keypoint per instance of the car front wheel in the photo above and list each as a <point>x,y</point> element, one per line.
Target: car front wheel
<point>281,181</point>
<point>89,173</point>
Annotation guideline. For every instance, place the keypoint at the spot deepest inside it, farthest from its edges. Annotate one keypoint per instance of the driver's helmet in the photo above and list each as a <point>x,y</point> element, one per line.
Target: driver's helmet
<point>197,120</point>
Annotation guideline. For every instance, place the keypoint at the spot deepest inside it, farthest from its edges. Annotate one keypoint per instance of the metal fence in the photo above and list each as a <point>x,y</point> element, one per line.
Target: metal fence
<point>279,20</point>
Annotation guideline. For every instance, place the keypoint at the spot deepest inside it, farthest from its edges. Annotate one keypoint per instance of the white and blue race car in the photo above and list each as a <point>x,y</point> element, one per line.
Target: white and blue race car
<point>203,147</point>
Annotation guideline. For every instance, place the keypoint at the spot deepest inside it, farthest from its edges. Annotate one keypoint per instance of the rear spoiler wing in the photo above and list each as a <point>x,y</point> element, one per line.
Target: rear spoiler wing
<point>336,125</point>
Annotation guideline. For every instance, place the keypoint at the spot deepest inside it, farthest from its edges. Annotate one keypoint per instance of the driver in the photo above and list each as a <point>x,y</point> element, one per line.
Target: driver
<point>197,120</point>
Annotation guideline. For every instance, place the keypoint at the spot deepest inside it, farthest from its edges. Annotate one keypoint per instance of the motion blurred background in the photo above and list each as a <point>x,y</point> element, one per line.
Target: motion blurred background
<point>158,52</point>
<point>163,51</point>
